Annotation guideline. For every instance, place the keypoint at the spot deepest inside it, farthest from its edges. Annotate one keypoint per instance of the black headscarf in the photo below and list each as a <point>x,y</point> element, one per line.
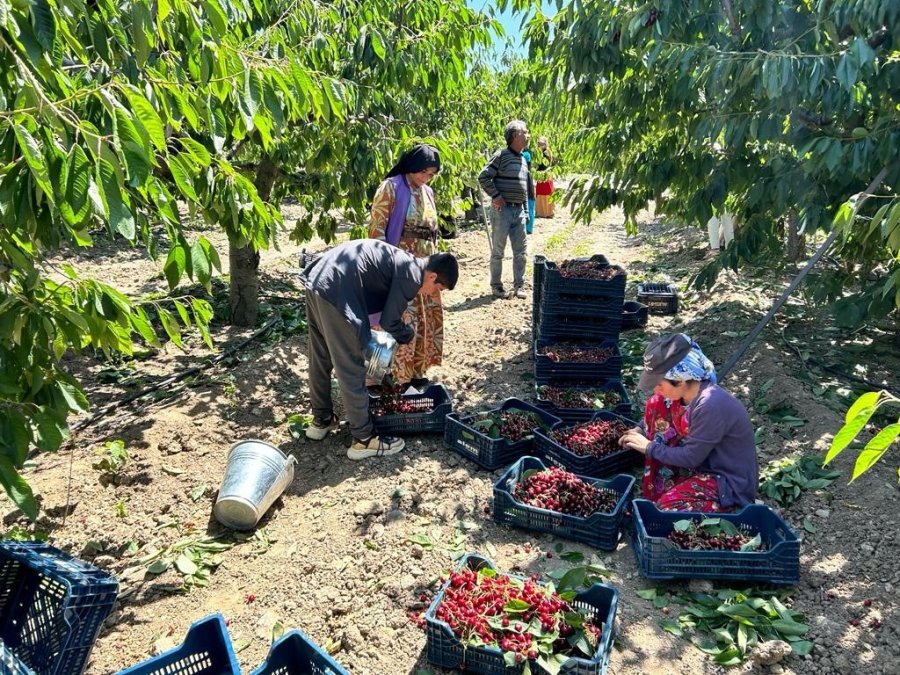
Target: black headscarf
<point>418,158</point>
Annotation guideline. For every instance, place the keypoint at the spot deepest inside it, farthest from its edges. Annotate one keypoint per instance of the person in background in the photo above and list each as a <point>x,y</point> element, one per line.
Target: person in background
<point>700,455</point>
<point>404,215</point>
<point>529,227</point>
<point>544,188</point>
<point>507,182</point>
<point>343,287</point>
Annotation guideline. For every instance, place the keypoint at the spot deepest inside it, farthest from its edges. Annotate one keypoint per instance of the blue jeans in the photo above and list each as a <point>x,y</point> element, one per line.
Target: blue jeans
<point>508,223</point>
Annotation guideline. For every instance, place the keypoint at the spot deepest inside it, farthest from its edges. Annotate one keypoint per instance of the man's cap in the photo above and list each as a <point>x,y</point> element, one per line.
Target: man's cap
<point>661,356</point>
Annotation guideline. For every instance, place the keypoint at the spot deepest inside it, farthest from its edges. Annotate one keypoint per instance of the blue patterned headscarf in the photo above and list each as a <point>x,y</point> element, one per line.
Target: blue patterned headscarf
<point>694,366</point>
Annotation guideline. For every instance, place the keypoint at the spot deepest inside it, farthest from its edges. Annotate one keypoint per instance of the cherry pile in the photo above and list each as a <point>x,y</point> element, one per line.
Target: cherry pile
<point>513,424</point>
<point>520,617</point>
<point>588,269</point>
<point>563,353</point>
<point>392,402</point>
<point>591,439</point>
<point>579,398</point>
<point>699,537</point>
<point>564,492</point>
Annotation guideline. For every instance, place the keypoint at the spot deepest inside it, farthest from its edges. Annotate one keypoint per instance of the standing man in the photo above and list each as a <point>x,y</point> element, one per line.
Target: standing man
<point>507,181</point>
<point>345,286</point>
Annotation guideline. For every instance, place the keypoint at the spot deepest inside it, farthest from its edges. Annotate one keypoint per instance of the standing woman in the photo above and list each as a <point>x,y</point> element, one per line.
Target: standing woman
<point>544,188</point>
<point>404,215</point>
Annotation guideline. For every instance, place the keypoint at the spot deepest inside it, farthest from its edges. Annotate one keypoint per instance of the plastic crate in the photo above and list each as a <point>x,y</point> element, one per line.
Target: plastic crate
<point>595,467</point>
<point>537,276</point>
<point>51,606</point>
<point>553,325</point>
<point>435,401</point>
<point>600,530</point>
<point>445,650</point>
<point>295,654</point>
<point>576,415</point>
<point>491,453</point>
<point>659,298</point>
<point>10,663</point>
<point>545,369</point>
<point>591,306</point>
<point>660,559</point>
<point>554,283</point>
<point>206,650</point>
<point>634,315</point>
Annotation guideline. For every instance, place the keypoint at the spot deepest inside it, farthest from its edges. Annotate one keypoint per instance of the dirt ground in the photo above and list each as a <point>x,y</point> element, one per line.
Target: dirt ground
<point>334,556</point>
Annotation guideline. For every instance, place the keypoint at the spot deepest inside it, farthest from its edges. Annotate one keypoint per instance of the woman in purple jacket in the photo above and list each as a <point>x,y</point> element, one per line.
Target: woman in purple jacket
<point>715,468</point>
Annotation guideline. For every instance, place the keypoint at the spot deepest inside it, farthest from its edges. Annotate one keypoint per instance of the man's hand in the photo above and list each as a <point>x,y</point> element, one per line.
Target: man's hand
<point>633,439</point>
<point>498,202</point>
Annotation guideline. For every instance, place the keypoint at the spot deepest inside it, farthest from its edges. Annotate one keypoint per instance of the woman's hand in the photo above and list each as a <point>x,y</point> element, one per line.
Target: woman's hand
<point>634,439</point>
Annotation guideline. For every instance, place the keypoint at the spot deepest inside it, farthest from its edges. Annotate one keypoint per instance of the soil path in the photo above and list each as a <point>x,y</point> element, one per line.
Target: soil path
<point>334,555</point>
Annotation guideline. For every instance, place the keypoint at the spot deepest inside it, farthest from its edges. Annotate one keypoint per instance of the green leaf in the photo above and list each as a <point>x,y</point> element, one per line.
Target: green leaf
<point>848,432</point>
<point>874,449</point>
<point>35,160</point>
<point>170,325</point>
<point>117,214</point>
<point>148,117</point>
<point>197,492</point>
<point>377,44</point>
<point>801,647</point>
<point>201,264</point>
<point>133,149</point>
<point>672,627</point>
<point>185,565</point>
<point>17,488</point>
<point>175,264</point>
<point>44,23</point>
<point>789,627</point>
<point>73,396</point>
<point>647,593</point>
<point>183,176</point>
<point>159,566</point>
<point>867,400</point>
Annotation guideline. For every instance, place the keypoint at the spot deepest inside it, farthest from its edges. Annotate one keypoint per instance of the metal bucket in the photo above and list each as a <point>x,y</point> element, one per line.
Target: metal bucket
<point>256,475</point>
<point>379,353</point>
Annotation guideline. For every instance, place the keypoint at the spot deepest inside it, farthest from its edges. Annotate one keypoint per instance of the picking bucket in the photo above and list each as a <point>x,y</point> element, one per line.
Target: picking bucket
<point>256,475</point>
<point>379,353</point>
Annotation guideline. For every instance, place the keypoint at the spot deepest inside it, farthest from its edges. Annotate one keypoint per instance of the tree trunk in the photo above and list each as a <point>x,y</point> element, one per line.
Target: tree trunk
<point>243,265</point>
<point>796,242</point>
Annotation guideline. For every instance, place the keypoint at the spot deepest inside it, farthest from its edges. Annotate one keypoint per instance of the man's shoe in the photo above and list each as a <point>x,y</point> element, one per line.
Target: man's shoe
<point>520,293</point>
<point>319,428</point>
<point>376,446</point>
<point>500,292</point>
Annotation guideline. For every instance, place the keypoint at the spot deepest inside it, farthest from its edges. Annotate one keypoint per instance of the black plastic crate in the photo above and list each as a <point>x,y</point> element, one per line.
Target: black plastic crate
<point>660,559</point>
<point>51,606</point>
<point>537,277</point>
<point>10,663</point>
<point>546,370</point>
<point>634,315</point>
<point>659,298</point>
<point>576,415</point>
<point>561,326</point>
<point>435,402</point>
<point>596,467</point>
<point>590,306</point>
<point>294,653</point>
<point>491,453</point>
<point>445,650</point>
<point>554,283</point>
<point>600,530</point>
<point>206,650</point>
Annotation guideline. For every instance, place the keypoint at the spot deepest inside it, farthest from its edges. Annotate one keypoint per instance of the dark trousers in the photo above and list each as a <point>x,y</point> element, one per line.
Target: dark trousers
<point>334,345</point>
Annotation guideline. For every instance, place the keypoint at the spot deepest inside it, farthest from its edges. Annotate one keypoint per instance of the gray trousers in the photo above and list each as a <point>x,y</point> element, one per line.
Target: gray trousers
<point>508,223</point>
<point>334,345</point>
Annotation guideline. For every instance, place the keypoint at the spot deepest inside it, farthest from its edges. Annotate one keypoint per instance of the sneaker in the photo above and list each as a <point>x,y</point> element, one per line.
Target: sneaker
<point>520,293</point>
<point>376,446</point>
<point>319,428</point>
<point>500,292</point>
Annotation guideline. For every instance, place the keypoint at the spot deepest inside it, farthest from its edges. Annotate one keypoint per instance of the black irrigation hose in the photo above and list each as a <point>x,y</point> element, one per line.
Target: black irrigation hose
<point>745,345</point>
<point>103,412</point>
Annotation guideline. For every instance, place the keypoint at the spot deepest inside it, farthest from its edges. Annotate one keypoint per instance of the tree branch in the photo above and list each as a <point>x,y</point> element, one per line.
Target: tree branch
<point>732,20</point>
<point>813,120</point>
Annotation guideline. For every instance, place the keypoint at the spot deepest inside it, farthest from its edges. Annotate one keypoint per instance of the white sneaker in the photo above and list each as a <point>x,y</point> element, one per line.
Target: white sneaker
<point>319,428</point>
<point>376,446</point>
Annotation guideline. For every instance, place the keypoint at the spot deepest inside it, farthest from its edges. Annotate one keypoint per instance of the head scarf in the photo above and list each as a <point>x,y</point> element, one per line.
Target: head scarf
<point>417,158</point>
<point>694,366</point>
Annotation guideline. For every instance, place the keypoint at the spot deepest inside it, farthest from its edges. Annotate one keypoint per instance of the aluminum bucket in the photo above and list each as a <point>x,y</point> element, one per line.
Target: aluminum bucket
<point>256,475</point>
<point>379,353</point>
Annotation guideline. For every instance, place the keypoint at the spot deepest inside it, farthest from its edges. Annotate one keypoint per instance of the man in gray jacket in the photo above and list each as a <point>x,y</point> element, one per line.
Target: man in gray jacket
<point>507,182</point>
<point>344,286</point>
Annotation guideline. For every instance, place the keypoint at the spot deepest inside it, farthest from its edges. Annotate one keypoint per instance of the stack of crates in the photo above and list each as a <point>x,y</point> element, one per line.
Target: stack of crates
<point>574,312</point>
